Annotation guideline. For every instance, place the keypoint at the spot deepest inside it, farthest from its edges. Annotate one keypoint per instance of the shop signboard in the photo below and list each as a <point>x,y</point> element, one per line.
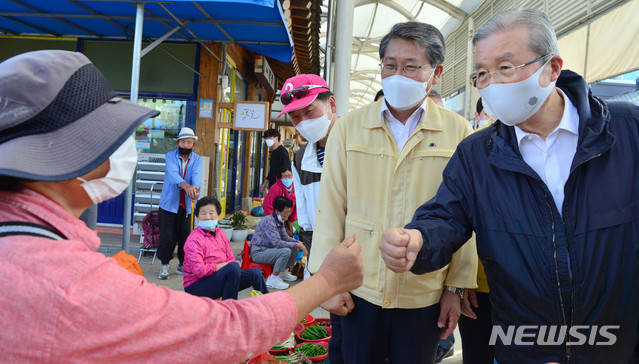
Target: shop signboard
<point>206,109</point>
<point>251,115</point>
<point>264,73</point>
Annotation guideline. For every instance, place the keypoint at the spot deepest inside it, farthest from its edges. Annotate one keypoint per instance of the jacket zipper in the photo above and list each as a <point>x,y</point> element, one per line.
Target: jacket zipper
<point>568,354</point>
<point>554,244</point>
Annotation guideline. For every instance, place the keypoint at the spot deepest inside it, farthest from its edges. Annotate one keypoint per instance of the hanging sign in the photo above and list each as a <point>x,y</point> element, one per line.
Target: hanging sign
<point>264,74</point>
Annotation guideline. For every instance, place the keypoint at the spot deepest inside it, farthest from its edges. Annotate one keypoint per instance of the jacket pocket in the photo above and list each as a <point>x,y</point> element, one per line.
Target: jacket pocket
<point>367,235</point>
<point>433,152</point>
<point>606,219</point>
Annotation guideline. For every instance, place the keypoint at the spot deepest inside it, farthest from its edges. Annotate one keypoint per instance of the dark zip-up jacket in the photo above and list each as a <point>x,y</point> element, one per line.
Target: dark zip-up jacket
<point>542,268</point>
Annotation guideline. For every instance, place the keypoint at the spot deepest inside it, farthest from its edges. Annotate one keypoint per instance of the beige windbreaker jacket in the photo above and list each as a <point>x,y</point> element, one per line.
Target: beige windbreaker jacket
<point>368,186</point>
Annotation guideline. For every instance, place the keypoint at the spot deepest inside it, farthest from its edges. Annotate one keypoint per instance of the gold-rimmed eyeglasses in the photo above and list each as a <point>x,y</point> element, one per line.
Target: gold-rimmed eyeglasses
<point>506,74</point>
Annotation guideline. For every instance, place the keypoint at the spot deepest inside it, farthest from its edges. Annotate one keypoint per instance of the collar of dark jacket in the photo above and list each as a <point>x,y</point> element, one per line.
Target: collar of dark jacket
<point>277,221</point>
<point>594,124</point>
<point>212,232</point>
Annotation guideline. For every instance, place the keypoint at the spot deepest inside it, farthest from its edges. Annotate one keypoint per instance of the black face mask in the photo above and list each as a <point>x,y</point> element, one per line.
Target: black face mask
<point>185,151</point>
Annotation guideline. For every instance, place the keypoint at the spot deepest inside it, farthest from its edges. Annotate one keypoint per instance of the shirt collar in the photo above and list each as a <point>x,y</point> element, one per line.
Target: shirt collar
<point>386,114</point>
<point>569,120</point>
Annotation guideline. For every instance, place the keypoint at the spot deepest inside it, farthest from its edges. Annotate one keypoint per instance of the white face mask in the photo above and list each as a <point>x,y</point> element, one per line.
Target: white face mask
<point>483,122</point>
<point>403,93</point>
<point>314,130</point>
<point>269,142</point>
<point>122,165</point>
<point>513,103</point>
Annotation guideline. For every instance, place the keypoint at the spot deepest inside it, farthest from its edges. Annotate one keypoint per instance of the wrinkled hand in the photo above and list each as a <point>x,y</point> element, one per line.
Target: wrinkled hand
<point>340,305</point>
<point>343,269</point>
<point>470,298</point>
<point>220,266</point>
<point>399,248</point>
<point>449,311</point>
<point>192,191</point>
<point>302,248</point>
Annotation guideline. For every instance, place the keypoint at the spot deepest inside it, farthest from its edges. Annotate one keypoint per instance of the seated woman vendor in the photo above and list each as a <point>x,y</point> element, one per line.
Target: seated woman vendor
<point>272,245</point>
<point>210,269</point>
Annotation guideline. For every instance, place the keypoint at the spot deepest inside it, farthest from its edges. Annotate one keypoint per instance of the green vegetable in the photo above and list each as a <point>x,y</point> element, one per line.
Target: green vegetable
<point>287,344</point>
<point>314,333</point>
<point>295,358</point>
<point>311,350</point>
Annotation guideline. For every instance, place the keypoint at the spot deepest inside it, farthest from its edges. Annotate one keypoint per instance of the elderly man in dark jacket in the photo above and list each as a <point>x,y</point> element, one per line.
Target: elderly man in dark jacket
<point>552,192</point>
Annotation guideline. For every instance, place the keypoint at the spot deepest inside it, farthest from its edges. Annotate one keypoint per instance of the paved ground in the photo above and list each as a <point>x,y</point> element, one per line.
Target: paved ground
<point>112,243</point>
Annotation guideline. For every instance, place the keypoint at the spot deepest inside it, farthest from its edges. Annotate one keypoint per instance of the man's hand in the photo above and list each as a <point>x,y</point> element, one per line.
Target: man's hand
<point>302,248</point>
<point>340,305</point>
<point>192,191</point>
<point>470,298</point>
<point>342,270</point>
<point>449,311</point>
<point>399,248</point>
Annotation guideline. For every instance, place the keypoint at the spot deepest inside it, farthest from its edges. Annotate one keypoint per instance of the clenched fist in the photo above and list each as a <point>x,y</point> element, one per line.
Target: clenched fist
<point>399,248</point>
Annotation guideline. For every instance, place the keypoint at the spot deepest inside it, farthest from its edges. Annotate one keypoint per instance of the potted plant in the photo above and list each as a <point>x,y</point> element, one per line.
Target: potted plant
<point>238,221</point>
<point>226,227</point>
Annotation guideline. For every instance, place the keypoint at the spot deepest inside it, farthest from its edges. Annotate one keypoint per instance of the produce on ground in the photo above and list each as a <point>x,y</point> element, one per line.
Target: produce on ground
<point>295,358</point>
<point>314,333</point>
<point>287,344</point>
<point>311,350</point>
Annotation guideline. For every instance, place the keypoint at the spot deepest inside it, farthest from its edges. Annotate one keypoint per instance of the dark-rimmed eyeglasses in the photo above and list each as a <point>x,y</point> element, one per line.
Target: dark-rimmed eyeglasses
<point>298,93</point>
<point>389,69</point>
<point>482,79</point>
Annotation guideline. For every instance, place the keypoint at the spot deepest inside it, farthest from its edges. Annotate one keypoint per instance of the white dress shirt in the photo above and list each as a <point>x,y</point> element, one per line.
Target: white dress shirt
<point>401,132</point>
<point>552,158</point>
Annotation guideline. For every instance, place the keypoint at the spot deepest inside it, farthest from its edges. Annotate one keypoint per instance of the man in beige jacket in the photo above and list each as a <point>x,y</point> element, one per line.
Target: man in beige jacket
<point>385,160</point>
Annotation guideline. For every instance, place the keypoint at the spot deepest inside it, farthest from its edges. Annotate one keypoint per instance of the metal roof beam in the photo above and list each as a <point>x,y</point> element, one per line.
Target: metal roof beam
<point>127,17</point>
<point>391,4</point>
<point>191,32</point>
<point>163,22</point>
<point>206,14</point>
<point>40,11</point>
<point>448,8</point>
<point>42,29</point>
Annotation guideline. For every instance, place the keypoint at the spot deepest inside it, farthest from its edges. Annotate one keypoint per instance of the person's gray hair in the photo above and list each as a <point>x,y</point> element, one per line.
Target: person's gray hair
<point>425,36</point>
<point>542,39</point>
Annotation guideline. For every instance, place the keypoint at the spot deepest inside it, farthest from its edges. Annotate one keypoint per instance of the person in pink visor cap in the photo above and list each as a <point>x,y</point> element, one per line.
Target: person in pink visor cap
<point>311,106</point>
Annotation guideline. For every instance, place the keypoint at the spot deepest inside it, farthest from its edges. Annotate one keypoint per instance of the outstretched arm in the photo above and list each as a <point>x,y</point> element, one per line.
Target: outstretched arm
<point>439,227</point>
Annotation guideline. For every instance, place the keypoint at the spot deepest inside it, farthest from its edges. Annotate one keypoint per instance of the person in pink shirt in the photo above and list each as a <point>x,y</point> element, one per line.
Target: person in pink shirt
<point>210,268</point>
<point>283,187</point>
<point>66,142</point>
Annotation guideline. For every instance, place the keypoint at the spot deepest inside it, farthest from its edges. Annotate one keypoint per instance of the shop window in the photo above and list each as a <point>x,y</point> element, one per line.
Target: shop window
<point>156,135</point>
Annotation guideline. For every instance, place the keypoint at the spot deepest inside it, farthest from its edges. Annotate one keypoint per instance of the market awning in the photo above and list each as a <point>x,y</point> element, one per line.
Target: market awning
<point>258,25</point>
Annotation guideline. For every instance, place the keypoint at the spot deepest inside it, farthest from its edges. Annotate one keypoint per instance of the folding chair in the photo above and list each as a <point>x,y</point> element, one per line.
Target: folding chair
<point>247,263</point>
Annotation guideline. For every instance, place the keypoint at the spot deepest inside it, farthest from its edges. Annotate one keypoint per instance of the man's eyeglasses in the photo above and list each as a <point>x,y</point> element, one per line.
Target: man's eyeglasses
<point>389,69</point>
<point>507,74</point>
<point>298,93</point>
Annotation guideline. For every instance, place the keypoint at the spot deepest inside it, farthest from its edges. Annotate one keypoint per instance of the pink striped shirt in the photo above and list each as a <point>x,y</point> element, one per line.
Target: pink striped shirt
<point>61,301</point>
